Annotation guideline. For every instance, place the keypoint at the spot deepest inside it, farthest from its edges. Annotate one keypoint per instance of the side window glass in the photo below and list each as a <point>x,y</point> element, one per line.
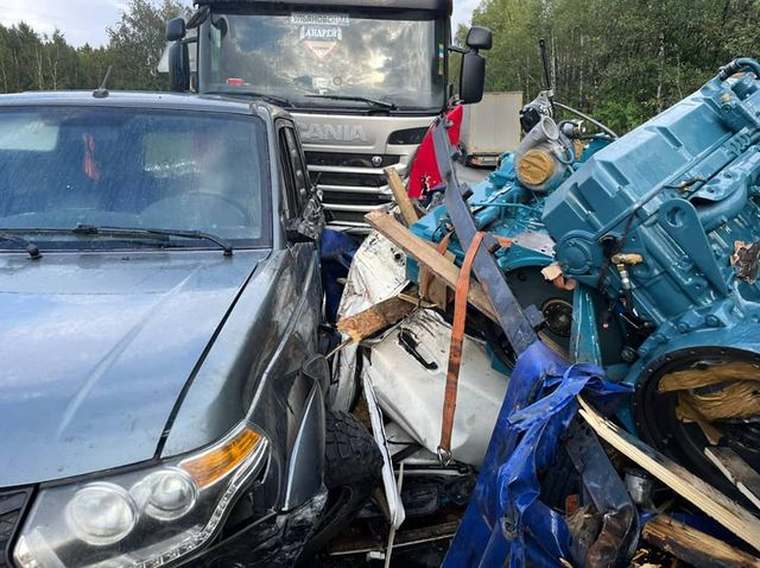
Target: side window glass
<point>289,201</point>
<point>300,173</point>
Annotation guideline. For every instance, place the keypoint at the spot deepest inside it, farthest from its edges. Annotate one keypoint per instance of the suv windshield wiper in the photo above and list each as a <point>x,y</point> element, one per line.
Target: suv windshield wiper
<point>274,99</point>
<point>368,100</point>
<point>139,232</point>
<point>30,247</point>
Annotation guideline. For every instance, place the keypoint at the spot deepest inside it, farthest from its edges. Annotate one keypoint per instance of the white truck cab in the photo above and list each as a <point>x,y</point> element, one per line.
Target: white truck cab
<point>362,78</point>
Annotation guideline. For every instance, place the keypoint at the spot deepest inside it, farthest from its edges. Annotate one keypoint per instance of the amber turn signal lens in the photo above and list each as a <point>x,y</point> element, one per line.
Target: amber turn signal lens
<point>211,466</point>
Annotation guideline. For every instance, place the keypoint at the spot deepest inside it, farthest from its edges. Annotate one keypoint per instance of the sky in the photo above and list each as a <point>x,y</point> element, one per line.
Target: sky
<point>462,11</point>
<point>85,21</point>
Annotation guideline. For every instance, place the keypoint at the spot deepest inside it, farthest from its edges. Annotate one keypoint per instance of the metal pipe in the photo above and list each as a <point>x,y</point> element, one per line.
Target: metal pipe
<point>584,116</point>
<point>737,65</point>
<point>711,216</point>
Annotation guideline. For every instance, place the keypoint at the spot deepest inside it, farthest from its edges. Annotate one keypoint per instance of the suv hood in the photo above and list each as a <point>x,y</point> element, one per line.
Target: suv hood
<point>96,350</point>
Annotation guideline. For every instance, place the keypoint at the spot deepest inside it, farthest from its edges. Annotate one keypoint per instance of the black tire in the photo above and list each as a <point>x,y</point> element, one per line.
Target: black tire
<point>353,466</point>
<point>351,454</point>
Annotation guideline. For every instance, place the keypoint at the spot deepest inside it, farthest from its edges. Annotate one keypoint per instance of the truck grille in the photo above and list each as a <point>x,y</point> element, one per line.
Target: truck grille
<point>352,186</point>
<point>12,506</point>
<point>348,160</point>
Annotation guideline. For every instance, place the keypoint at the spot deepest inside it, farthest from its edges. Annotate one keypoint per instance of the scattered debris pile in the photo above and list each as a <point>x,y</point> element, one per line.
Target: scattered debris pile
<point>563,361</point>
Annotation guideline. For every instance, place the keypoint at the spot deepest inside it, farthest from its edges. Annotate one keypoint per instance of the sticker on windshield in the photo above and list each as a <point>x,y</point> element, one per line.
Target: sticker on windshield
<point>320,33</point>
<point>304,19</point>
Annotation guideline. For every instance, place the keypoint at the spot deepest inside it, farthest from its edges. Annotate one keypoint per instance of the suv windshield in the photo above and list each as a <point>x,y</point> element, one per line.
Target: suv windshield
<point>63,167</point>
<point>398,60</point>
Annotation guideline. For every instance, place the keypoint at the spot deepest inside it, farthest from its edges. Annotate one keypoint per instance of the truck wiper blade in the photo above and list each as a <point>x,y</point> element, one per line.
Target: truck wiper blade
<point>274,99</point>
<point>30,247</point>
<point>140,232</point>
<point>368,100</point>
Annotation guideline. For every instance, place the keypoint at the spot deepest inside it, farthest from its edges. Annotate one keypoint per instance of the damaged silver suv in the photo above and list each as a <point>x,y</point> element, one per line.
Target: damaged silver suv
<point>161,393</point>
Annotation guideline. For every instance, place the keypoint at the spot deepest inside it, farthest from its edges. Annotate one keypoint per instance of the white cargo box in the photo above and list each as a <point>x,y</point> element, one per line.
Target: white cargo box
<point>492,127</point>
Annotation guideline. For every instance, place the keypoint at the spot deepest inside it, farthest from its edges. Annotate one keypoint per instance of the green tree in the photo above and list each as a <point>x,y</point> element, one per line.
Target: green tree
<point>623,60</point>
<point>31,61</point>
<point>137,42</point>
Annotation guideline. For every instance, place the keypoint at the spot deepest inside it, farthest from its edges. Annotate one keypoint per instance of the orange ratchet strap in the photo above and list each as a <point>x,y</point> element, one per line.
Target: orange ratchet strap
<point>455,350</point>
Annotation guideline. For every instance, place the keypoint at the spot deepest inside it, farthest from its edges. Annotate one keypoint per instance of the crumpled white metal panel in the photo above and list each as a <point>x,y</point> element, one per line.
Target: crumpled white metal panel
<point>377,273</point>
<point>412,395</point>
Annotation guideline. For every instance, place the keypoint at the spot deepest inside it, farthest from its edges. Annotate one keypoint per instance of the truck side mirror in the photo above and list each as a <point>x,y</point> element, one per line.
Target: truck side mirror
<point>472,79</point>
<point>176,29</point>
<point>479,38</point>
<point>179,67</point>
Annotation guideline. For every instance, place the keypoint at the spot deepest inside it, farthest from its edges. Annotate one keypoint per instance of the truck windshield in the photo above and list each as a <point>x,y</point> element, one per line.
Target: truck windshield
<point>66,167</point>
<point>398,60</point>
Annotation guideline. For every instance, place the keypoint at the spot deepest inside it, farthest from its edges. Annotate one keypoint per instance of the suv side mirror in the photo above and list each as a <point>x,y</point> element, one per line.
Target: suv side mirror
<point>479,38</point>
<point>295,233</point>
<point>176,29</point>
<point>307,227</point>
<point>179,67</point>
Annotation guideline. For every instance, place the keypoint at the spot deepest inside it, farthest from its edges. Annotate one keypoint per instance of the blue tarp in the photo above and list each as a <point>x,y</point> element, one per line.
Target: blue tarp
<point>336,253</point>
<point>505,522</point>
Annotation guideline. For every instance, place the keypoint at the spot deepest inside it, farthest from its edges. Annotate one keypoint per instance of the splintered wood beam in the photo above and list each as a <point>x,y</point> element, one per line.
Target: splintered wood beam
<point>424,253</point>
<point>442,267</point>
<point>738,472</point>
<point>376,318</point>
<point>408,212</point>
<point>694,547</point>
<point>714,503</point>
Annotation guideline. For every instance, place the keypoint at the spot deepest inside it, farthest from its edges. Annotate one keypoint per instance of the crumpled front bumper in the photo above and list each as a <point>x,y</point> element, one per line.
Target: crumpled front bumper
<point>276,540</point>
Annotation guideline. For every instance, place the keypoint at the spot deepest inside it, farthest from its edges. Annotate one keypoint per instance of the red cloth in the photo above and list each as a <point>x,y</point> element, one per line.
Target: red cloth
<point>89,165</point>
<point>424,174</point>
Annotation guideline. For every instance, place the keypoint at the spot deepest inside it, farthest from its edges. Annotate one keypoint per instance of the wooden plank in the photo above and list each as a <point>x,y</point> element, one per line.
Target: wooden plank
<point>738,472</point>
<point>441,267</point>
<point>727,512</point>
<point>408,212</point>
<point>372,320</point>
<point>424,253</point>
<point>695,547</point>
<point>436,290</point>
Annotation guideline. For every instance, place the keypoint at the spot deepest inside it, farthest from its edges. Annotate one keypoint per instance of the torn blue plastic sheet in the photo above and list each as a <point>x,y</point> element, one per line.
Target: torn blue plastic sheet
<point>505,522</point>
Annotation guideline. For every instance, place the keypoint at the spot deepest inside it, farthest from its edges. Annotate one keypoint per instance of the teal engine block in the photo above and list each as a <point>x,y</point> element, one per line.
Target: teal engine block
<point>660,229</point>
<point>666,220</point>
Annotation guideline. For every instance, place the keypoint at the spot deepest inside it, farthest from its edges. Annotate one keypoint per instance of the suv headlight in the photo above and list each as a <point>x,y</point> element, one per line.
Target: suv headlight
<point>144,518</point>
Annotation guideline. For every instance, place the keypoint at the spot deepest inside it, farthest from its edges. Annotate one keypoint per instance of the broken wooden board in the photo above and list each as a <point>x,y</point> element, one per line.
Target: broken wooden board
<point>695,547</point>
<point>435,289</point>
<point>688,379</point>
<point>376,318</point>
<point>441,267</point>
<point>714,503</point>
<point>737,471</point>
<point>404,202</point>
<point>424,253</point>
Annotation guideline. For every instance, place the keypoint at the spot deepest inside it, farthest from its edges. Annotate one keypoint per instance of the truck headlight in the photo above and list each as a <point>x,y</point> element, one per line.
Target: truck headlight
<point>141,518</point>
